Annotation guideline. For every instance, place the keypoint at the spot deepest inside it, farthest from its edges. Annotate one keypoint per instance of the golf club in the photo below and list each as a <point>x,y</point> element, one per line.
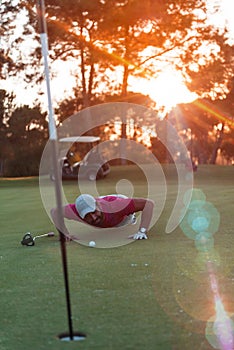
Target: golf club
<point>29,241</point>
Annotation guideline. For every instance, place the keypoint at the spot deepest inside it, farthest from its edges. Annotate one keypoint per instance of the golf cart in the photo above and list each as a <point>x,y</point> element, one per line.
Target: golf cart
<point>82,158</point>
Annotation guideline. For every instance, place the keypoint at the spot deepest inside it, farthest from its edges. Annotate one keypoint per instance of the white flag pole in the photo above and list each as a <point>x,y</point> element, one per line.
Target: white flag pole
<point>54,155</point>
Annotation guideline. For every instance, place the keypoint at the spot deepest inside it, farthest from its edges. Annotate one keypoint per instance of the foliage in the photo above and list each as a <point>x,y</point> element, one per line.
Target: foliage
<point>26,126</point>
<point>70,106</point>
<point>8,13</point>
<point>24,133</point>
<point>133,37</point>
<point>15,55</point>
<point>205,129</point>
<point>6,108</point>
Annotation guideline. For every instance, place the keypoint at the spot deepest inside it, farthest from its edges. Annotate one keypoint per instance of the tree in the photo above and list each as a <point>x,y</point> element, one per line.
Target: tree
<point>176,32</point>
<point>27,135</point>
<point>135,37</point>
<point>14,58</point>
<point>225,106</point>
<point>205,128</point>
<point>115,34</point>
<point>74,35</point>
<point>23,135</point>
<point>7,13</point>
<point>132,37</point>
<point>6,108</point>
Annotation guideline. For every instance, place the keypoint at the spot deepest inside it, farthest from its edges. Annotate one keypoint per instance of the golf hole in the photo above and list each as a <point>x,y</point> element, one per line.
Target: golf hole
<point>74,337</point>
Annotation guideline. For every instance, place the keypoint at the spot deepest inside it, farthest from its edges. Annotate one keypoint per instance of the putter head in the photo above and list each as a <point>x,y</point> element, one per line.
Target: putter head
<point>28,240</point>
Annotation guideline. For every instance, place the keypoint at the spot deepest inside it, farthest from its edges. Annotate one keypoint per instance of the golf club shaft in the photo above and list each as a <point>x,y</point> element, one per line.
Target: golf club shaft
<point>49,234</point>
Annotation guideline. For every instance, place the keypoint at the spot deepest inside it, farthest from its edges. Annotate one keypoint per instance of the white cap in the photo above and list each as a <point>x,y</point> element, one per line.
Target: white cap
<point>85,204</point>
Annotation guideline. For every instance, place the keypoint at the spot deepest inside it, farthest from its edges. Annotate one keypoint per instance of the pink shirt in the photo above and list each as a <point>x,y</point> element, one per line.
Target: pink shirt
<point>115,209</point>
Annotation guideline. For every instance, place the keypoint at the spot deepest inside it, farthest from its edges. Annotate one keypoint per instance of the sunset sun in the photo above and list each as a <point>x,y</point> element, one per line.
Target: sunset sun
<point>167,90</point>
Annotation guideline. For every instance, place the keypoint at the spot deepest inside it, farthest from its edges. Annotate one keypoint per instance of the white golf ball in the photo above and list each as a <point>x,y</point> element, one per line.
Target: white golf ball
<point>92,244</point>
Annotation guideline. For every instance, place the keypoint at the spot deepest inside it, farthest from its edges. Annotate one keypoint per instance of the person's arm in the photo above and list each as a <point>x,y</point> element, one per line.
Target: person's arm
<point>146,206</point>
<point>68,213</point>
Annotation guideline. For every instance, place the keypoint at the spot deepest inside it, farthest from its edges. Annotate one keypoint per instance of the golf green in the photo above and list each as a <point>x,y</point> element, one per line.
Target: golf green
<point>151,294</point>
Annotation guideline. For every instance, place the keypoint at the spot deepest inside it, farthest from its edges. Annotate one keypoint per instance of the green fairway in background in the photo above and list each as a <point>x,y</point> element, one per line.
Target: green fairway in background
<point>145,295</point>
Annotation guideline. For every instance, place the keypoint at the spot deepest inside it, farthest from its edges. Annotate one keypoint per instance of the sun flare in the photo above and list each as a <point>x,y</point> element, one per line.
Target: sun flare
<point>167,90</point>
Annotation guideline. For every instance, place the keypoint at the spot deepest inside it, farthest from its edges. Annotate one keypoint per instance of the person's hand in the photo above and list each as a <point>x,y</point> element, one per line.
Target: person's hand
<point>140,235</point>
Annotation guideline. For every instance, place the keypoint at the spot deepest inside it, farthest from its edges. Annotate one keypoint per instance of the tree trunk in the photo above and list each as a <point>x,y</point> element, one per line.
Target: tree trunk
<point>217,145</point>
<point>91,75</point>
<point>83,80</point>
<point>125,81</point>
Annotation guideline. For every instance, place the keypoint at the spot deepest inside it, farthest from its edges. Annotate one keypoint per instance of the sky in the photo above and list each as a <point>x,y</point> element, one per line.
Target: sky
<point>225,15</point>
<point>159,89</point>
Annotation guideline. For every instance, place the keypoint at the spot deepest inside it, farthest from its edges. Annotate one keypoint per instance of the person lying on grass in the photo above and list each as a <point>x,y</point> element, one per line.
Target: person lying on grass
<point>109,211</point>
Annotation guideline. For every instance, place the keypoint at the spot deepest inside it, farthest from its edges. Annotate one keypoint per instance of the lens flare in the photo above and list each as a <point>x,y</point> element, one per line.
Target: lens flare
<point>200,216</point>
<point>204,241</point>
<point>196,283</point>
<point>219,332</point>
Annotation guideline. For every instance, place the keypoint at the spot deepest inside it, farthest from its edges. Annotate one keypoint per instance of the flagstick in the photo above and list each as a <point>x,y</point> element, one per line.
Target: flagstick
<point>54,154</point>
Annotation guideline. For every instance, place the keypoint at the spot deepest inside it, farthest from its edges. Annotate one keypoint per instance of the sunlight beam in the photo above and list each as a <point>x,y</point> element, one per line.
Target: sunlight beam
<point>214,111</point>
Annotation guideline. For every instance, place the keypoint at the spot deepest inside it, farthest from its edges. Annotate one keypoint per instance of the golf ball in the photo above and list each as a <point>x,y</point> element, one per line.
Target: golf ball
<point>92,244</point>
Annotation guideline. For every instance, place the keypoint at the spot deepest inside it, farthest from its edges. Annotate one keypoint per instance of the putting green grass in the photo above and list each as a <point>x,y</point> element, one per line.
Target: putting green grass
<point>145,295</point>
